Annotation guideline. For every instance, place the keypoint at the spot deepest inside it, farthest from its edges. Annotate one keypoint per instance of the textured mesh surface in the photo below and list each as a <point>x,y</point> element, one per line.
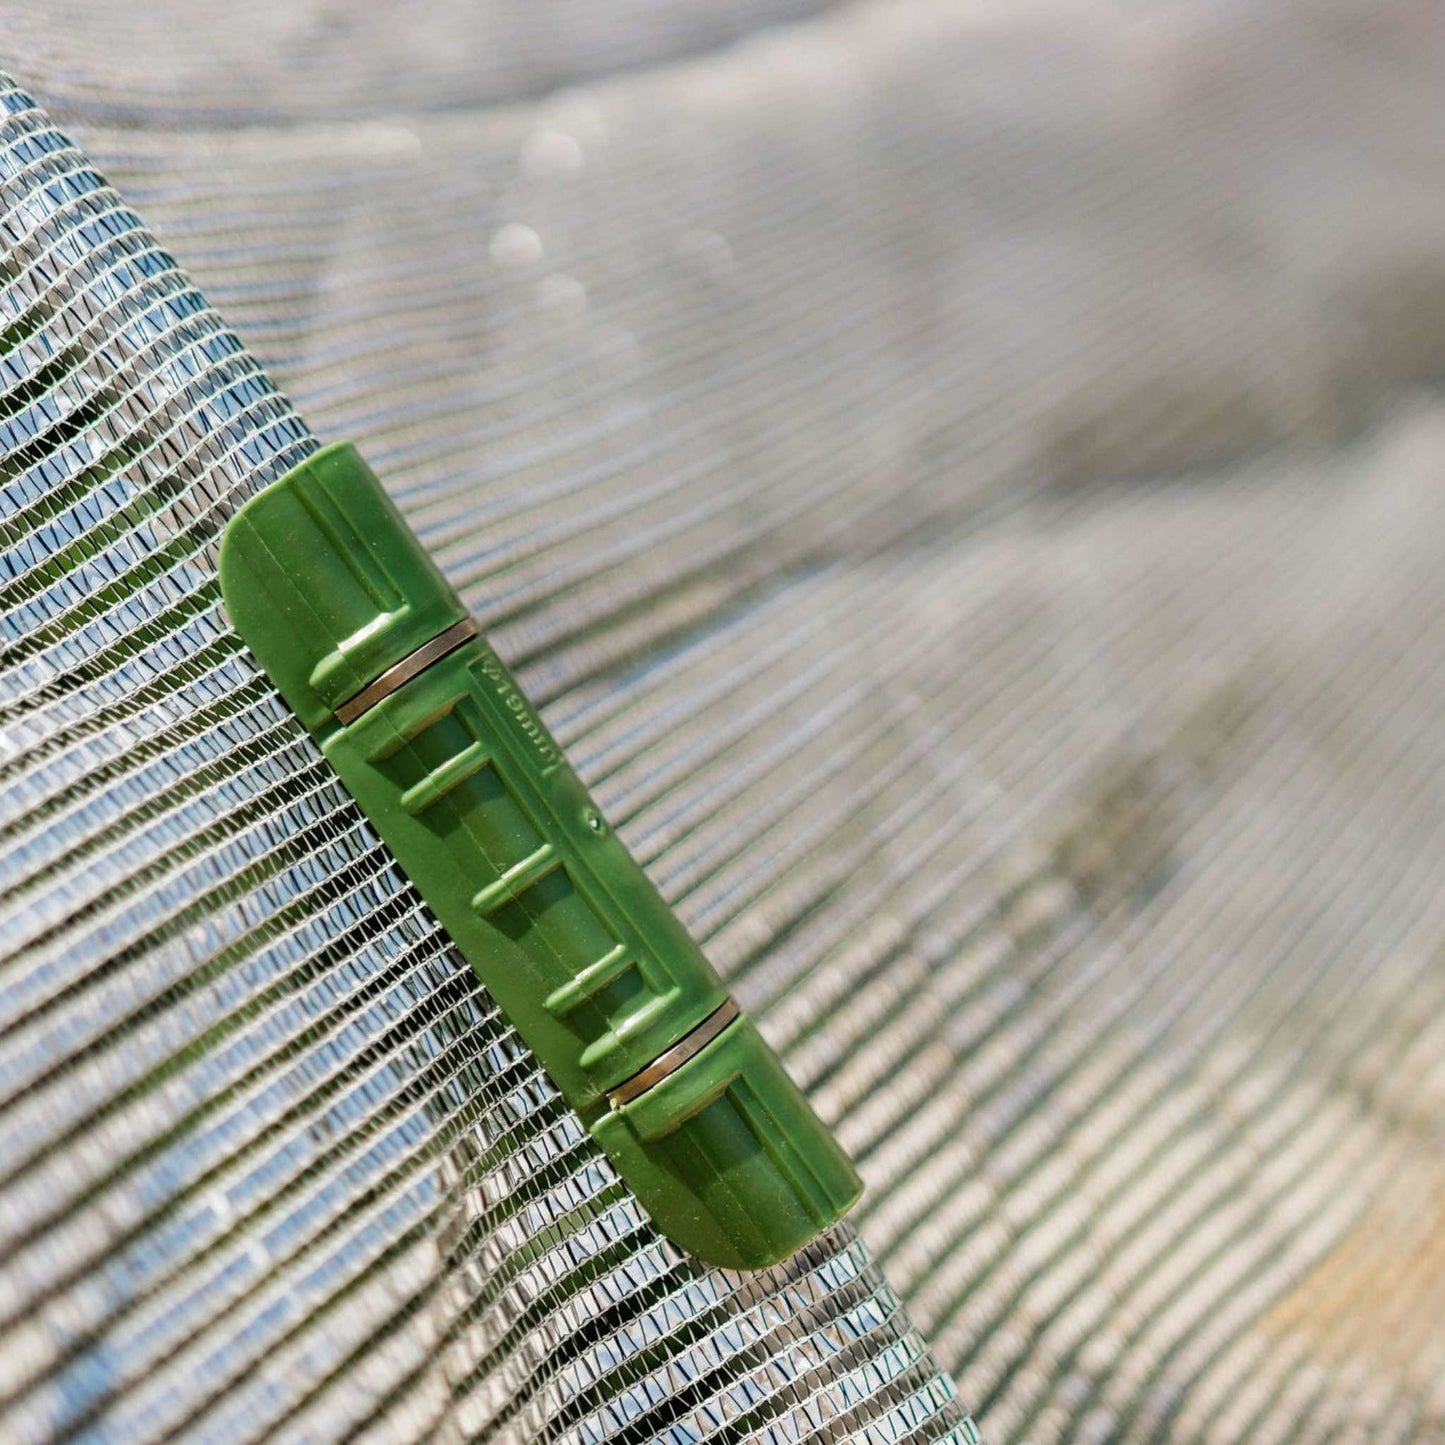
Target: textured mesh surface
<point>964,482</point>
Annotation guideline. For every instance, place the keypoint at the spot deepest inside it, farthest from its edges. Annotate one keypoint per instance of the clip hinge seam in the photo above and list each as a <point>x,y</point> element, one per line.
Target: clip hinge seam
<point>412,665</point>
<point>670,1060</point>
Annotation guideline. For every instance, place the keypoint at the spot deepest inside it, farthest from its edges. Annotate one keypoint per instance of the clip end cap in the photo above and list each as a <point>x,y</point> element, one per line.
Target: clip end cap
<point>729,1158</point>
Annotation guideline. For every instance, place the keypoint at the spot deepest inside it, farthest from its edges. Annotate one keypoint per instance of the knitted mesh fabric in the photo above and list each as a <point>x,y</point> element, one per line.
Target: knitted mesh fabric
<point>963,484</point>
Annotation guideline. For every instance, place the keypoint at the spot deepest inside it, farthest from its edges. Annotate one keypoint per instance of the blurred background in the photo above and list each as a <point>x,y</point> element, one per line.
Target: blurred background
<point>965,482</point>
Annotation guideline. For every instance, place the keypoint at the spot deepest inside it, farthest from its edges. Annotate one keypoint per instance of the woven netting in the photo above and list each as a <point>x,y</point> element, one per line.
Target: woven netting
<point>966,485</point>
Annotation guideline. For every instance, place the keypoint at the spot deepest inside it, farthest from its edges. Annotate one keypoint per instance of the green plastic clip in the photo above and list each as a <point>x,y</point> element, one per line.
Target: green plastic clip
<point>374,650</point>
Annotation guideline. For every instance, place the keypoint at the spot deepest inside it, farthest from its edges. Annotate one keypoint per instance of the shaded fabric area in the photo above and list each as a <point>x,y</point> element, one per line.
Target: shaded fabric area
<point>963,481</point>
